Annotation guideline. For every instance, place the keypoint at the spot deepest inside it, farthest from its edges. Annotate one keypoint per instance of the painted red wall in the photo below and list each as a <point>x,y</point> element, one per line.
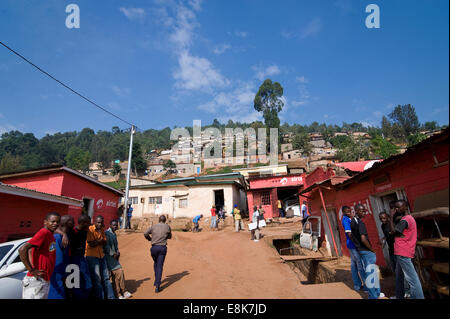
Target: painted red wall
<point>105,201</point>
<point>28,212</point>
<point>50,183</point>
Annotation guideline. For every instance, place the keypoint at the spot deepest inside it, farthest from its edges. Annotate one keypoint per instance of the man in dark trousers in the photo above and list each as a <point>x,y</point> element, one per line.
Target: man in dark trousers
<point>159,235</point>
<point>360,239</point>
<point>405,233</point>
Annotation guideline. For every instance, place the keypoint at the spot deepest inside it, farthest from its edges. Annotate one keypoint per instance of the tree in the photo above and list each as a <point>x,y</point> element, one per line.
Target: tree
<point>268,100</point>
<point>137,160</point>
<point>78,159</point>
<point>169,164</point>
<point>431,126</point>
<point>116,169</point>
<point>406,118</point>
<point>10,163</point>
<point>383,148</point>
<point>416,138</point>
<point>302,142</point>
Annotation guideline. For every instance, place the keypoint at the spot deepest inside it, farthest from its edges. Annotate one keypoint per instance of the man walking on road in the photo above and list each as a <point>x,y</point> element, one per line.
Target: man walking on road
<point>360,238</point>
<point>213,217</point>
<point>160,233</point>
<point>129,215</point>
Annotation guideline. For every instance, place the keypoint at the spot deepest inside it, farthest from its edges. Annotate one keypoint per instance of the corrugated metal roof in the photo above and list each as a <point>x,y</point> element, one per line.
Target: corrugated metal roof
<point>26,191</point>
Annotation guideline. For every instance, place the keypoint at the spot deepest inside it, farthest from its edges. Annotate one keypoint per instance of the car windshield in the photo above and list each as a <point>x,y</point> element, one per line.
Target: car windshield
<point>4,250</point>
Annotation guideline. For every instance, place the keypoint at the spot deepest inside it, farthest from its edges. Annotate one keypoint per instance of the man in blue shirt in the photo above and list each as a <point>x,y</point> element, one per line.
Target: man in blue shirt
<point>305,214</point>
<point>196,220</point>
<point>129,215</point>
<point>356,263</point>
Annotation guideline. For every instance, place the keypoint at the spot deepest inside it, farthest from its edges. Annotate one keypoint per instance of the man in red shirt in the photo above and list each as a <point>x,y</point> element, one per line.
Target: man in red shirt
<point>36,283</point>
<point>213,217</point>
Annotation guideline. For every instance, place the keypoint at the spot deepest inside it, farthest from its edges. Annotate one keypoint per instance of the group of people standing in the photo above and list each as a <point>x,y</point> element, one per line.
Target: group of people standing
<point>73,262</point>
<point>400,232</point>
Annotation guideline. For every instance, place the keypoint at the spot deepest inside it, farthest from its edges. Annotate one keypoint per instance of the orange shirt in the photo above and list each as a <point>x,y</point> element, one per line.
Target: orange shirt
<point>94,234</point>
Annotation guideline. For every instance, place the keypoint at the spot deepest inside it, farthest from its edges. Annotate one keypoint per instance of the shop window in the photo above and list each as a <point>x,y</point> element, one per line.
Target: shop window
<point>134,200</point>
<point>183,203</point>
<point>155,200</point>
<point>265,198</point>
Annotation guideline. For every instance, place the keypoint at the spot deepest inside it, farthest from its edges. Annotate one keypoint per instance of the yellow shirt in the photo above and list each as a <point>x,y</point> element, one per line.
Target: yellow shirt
<point>94,234</point>
<point>237,214</point>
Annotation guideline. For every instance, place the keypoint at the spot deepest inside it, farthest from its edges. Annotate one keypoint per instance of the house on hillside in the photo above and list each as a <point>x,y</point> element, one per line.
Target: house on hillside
<point>188,197</point>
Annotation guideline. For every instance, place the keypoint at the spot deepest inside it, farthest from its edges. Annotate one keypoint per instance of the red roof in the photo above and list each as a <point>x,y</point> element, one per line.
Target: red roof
<point>357,166</point>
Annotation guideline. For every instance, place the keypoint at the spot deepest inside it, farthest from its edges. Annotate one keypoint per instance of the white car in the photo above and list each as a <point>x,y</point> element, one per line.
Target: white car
<point>12,270</point>
<point>294,204</point>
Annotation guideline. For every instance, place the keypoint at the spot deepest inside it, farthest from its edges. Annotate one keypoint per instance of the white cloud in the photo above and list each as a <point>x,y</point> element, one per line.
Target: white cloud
<point>133,13</point>
<point>288,35</point>
<point>312,28</point>
<point>219,49</point>
<point>301,79</point>
<point>196,4</point>
<point>196,73</point>
<point>299,103</point>
<point>121,91</point>
<point>262,73</point>
<point>241,34</point>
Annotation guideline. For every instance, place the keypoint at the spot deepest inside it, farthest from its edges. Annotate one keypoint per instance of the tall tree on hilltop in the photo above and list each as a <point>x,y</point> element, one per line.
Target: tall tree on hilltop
<point>269,101</point>
<point>405,116</point>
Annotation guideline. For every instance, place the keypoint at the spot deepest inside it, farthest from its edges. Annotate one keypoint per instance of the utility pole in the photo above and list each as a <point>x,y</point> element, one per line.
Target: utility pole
<point>125,211</point>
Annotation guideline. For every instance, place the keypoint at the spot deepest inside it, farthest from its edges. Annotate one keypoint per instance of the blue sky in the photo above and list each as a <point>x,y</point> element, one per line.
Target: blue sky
<point>164,63</point>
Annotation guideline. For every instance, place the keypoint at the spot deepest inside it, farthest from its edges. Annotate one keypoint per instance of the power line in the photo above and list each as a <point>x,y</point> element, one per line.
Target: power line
<point>66,86</point>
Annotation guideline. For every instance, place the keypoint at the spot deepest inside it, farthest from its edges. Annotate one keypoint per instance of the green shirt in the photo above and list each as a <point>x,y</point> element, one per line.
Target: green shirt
<point>110,249</point>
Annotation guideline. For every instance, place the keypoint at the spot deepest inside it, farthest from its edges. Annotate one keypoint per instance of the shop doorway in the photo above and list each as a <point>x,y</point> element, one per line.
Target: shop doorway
<point>219,199</point>
<point>380,202</point>
<point>289,201</point>
<point>88,206</point>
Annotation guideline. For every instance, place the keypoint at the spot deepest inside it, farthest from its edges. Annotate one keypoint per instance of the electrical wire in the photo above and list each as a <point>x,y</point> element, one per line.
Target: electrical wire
<point>66,86</point>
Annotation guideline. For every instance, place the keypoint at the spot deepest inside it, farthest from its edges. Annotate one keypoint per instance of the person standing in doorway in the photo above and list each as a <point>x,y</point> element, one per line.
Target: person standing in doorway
<point>360,238</point>
<point>95,257</point>
<point>405,233</point>
<point>112,254</point>
<point>129,215</point>
<point>388,238</point>
<point>356,266</point>
<point>280,208</point>
<point>36,283</point>
<point>238,223</point>
<point>160,233</point>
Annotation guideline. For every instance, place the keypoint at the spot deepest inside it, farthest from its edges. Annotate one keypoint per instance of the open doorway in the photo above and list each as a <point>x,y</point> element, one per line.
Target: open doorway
<point>380,202</point>
<point>219,199</point>
<point>88,206</point>
<point>289,201</point>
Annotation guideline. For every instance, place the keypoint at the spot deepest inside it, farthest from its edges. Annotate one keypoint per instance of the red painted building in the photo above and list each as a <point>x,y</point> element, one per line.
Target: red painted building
<point>420,175</point>
<point>266,191</point>
<point>97,198</point>
<point>22,210</point>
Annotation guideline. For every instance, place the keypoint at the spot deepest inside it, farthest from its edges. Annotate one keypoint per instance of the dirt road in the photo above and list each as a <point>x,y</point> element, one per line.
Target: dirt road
<point>220,264</point>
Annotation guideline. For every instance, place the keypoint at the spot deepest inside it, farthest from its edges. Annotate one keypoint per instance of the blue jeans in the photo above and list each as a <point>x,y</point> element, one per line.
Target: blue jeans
<point>85,280</point>
<point>372,282</point>
<point>357,268</point>
<point>100,277</point>
<point>213,221</point>
<point>158,255</point>
<point>405,271</point>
